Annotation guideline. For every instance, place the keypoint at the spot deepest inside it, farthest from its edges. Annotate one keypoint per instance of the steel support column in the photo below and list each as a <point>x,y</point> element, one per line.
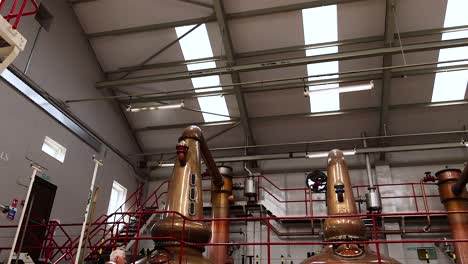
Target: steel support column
<point>387,74</point>
<point>229,53</point>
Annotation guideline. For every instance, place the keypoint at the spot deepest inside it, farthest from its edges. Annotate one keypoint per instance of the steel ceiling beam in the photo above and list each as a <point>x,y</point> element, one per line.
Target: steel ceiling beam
<point>177,126</point>
<point>313,115</point>
<point>419,33</point>
<point>286,63</point>
<point>387,74</point>
<point>238,15</point>
<point>354,77</point>
<point>167,25</point>
<point>229,53</point>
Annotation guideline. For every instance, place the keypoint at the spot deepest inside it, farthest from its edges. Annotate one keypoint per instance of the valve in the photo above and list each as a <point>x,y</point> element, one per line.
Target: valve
<point>339,189</point>
<point>316,181</point>
<point>428,177</point>
<point>181,150</point>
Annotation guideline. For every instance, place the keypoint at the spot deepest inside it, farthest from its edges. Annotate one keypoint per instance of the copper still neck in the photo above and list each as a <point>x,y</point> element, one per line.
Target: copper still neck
<point>340,201</point>
<point>185,196</point>
<point>447,181</point>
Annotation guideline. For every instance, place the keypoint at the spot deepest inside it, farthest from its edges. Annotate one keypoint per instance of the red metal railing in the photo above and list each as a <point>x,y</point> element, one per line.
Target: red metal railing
<point>17,15</point>
<point>103,232</point>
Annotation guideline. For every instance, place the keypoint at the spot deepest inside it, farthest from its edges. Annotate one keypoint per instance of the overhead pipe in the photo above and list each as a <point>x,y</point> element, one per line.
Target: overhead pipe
<point>302,155</point>
<point>319,141</point>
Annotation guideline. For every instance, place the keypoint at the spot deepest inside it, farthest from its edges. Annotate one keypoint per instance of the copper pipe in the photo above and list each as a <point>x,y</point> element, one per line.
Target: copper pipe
<point>220,199</point>
<point>460,185</point>
<point>458,222</point>
<point>311,210</point>
<point>427,227</point>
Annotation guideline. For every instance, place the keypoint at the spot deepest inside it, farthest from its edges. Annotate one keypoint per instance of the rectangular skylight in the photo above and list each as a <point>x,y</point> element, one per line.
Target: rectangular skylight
<point>196,45</point>
<point>320,25</point>
<point>449,86</point>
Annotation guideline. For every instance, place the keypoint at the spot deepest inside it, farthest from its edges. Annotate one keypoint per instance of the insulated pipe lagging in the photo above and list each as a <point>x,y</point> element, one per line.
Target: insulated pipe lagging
<point>368,165</point>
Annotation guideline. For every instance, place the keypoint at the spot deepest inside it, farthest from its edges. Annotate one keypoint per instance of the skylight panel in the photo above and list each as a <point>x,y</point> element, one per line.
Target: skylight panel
<point>196,45</point>
<point>320,25</point>
<point>449,86</point>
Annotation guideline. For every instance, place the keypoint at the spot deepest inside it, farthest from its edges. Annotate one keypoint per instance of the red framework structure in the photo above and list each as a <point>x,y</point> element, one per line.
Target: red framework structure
<point>17,15</point>
<point>110,231</point>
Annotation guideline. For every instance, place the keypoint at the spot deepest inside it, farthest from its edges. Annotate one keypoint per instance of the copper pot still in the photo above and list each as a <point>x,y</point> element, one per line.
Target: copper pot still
<point>185,197</point>
<point>448,181</point>
<point>340,201</point>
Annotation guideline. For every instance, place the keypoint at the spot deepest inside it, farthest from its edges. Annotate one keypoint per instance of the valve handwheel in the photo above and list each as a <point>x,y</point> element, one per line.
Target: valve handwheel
<point>316,181</point>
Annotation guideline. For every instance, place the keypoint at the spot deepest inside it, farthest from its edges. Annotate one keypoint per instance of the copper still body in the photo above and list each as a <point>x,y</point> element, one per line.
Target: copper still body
<point>450,182</point>
<point>220,202</point>
<point>185,197</point>
<point>340,201</point>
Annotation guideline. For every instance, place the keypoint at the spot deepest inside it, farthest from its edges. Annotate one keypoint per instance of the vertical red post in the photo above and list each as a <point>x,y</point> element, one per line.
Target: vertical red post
<point>268,240</point>
<point>20,13</point>
<point>376,238</point>
<point>415,198</point>
<point>181,251</point>
<point>135,247</point>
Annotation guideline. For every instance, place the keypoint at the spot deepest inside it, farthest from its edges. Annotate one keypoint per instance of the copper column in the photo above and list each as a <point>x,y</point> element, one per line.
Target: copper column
<point>458,222</point>
<point>220,199</point>
<point>185,197</point>
<point>340,201</point>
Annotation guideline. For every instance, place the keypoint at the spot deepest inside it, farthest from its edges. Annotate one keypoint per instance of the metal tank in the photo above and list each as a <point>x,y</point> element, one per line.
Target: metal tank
<point>340,201</point>
<point>185,197</point>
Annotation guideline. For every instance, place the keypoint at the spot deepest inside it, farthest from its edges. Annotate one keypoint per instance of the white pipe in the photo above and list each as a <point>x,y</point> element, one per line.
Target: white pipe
<point>97,163</point>
<point>368,165</point>
<point>36,169</point>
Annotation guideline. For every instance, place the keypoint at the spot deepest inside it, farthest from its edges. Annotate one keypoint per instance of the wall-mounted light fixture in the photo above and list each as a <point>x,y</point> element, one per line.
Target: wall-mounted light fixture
<point>165,165</point>
<point>345,89</point>
<point>132,109</point>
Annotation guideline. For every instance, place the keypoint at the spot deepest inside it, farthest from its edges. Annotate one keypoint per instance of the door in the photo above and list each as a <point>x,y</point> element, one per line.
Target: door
<point>39,208</point>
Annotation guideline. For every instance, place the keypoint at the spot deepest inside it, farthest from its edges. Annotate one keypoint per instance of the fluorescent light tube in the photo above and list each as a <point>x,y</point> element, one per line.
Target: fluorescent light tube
<point>154,107</point>
<point>165,165</point>
<point>346,89</point>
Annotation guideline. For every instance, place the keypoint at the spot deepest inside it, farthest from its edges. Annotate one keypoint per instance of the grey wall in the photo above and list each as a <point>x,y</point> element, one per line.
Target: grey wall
<point>63,65</point>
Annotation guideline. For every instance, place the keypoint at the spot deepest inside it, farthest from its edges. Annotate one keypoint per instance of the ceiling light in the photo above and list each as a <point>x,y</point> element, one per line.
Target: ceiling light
<point>154,107</point>
<point>346,89</point>
<point>165,165</point>
<point>324,154</point>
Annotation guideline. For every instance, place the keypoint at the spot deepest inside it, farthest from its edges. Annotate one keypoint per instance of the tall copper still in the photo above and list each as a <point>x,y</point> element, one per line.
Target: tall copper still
<point>185,197</point>
<point>340,201</point>
<point>454,196</point>
<point>221,196</point>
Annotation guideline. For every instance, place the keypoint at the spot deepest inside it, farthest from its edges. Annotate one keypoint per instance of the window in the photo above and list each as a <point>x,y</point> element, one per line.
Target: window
<point>449,86</point>
<point>54,149</point>
<point>117,198</point>
<point>196,45</point>
<point>320,25</point>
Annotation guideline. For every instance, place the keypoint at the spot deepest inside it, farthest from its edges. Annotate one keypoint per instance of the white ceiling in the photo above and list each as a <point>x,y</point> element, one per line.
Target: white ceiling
<point>355,20</point>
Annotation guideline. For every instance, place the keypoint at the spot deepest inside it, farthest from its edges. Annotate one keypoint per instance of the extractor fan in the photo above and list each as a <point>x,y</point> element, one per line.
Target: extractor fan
<point>316,181</point>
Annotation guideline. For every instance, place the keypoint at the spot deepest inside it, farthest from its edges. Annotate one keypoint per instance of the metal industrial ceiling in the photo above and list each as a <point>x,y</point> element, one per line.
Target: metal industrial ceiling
<point>124,33</point>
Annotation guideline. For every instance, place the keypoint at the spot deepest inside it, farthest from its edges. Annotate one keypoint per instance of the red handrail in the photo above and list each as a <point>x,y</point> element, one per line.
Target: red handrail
<point>21,13</point>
